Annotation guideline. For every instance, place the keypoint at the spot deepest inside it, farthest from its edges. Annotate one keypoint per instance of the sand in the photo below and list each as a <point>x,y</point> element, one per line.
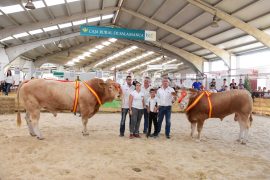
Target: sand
<point>66,154</point>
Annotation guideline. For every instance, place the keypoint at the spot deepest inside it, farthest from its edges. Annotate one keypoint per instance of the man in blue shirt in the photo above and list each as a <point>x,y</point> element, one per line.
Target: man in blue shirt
<point>197,85</point>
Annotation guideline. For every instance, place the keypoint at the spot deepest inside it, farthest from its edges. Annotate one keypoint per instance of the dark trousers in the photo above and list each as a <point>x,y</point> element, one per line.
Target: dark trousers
<point>165,111</point>
<point>7,88</point>
<point>145,116</point>
<point>153,118</point>
<point>135,120</point>
<point>123,120</point>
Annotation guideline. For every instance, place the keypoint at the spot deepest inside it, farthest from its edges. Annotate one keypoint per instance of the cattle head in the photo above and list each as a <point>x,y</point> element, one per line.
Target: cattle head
<point>184,97</point>
<point>114,89</point>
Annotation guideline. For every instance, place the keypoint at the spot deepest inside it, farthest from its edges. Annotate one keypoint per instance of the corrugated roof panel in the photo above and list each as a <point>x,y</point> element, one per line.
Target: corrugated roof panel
<point>150,7</point>
<point>59,10</point>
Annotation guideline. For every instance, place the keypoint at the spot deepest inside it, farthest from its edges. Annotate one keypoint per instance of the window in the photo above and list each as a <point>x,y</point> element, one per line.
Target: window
<point>7,38</point>
<point>107,16</point>
<point>94,19</point>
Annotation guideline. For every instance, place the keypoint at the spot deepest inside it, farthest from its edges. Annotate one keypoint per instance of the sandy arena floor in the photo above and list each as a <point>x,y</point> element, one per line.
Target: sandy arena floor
<point>66,154</point>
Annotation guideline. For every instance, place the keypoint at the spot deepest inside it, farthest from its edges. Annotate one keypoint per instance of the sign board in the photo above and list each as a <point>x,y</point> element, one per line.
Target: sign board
<point>121,33</point>
<point>58,74</point>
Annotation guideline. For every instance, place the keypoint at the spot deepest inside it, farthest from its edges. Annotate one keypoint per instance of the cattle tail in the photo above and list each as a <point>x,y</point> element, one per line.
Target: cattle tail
<point>19,119</point>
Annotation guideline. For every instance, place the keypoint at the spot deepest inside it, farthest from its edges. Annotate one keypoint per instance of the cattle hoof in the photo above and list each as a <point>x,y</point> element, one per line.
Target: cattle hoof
<point>32,134</point>
<point>85,133</point>
<point>40,138</point>
<point>243,143</point>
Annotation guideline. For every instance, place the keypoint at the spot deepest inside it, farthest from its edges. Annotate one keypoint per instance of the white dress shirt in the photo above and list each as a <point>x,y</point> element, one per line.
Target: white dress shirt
<point>126,90</point>
<point>9,79</point>
<point>151,102</point>
<point>164,96</point>
<point>146,93</point>
<point>137,99</point>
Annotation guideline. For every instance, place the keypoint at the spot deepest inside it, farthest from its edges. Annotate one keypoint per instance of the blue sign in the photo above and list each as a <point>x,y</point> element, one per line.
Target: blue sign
<point>120,33</point>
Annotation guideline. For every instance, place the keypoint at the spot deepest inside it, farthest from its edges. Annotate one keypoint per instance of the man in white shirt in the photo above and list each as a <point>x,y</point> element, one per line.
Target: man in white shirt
<point>126,90</point>
<point>165,100</point>
<point>146,91</point>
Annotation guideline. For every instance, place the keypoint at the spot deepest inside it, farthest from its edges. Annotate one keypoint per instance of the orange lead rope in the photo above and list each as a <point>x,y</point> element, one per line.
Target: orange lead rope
<point>75,104</point>
<point>198,99</point>
<point>94,93</point>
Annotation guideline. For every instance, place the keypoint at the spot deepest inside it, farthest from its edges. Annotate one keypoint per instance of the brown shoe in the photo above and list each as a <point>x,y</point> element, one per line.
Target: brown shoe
<point>137,136</point>
<point>131,136</point>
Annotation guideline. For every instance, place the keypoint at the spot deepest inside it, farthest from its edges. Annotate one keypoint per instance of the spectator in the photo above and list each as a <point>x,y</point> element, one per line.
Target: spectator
<point>223,85</point>
<point>213,84</point>
<point>233,85</point>
<point>212,89</point>
<point>136,105</point>
<point>152,110</point>
<point>126,90</point>
<point>197,85</point>
<point>9,81</point>
<point>146,90</point>
<point>267,94</point>
<point>165,100</point>
<point>241,84</point>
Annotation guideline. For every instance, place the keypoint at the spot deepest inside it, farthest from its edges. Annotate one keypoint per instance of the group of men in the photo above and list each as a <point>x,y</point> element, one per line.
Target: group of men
<point>157,104</point>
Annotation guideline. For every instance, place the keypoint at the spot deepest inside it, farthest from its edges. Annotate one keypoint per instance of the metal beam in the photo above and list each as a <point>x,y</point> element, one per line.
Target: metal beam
<point>256,33</point>
<point>224,55</point>
<point>67,8</point>
<point>116,16</point>
<point>15,51</point>
<point>48,10</point>
<point>28,27</point>
<point>64,52</point>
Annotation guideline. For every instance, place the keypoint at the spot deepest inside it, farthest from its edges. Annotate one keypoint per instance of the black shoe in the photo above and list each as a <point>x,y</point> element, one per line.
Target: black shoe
<point>121,135</point>
<point>151,135</point>
<point>168,137</point>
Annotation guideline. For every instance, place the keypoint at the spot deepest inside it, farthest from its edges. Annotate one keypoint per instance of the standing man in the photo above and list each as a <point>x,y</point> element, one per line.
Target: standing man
<point>146,90</point>
<point>126,90</point>
<point>165,100</point>
<point>197,85</point>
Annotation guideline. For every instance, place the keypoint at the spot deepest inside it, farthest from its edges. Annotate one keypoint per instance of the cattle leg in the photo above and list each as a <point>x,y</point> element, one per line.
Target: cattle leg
<point>28,121</point>
<point>85,121</point>
<point>199,128</point>
<point>193,127</point>
<point>34,121</point>
<point>241,133</point>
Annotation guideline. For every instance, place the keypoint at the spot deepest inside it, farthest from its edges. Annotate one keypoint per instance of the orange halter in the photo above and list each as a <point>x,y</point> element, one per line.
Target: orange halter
<point>198,99</point>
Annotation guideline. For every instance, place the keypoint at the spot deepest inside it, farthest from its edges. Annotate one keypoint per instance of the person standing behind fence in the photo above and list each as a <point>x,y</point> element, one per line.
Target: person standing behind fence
<point>197,85</point>
<point>165,100</point>
<point>145,90</point>
<point>152,108</point>
<point>9,81</point>
<point>126,90</point>
<point>136,105</point>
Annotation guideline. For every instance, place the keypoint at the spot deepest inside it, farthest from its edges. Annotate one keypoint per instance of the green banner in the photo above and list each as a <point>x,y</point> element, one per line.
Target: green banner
<point>120,33</point>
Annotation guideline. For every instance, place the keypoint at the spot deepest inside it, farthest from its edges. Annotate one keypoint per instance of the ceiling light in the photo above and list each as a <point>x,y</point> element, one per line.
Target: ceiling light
<point>12,9</point>
<point>37,31</point>
<point>109,16</point>
<point>7,38</point>
<point>79,22</point>
<point>30,5</point>
<point>87,54</point>
<point>93,50</point>
<point>72,1</point>
<point>60,45</point>
<point>54,2</point>
<point>64,25</point>
<point>51,28</point>
<point>93,19</point>
<point>106,43</point>
<point>112,39</point>
<point>100,47</point>
<point>214,23</point>
<point>20,35</point>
